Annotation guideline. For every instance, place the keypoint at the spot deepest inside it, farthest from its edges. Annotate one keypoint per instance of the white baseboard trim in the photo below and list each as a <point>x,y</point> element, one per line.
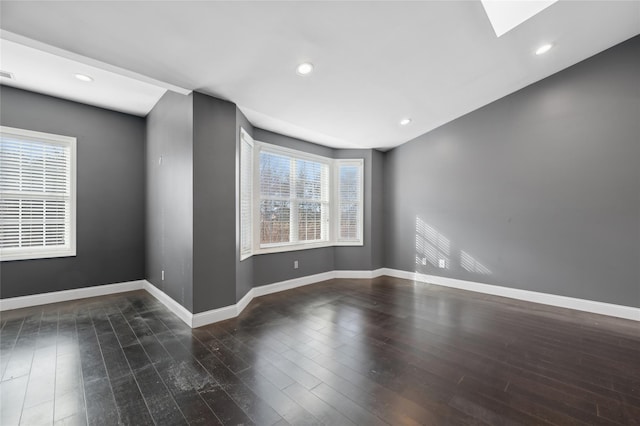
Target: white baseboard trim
<point>232,311</point>
<point>227,312</point>
<point>215,315</point>
<point>359,274</point>
<point>619,311</point>
<point>246,299</point>
<point>66,295</point>
<point>377,273</point>
<point>292,283</point>
<point>175,307</point>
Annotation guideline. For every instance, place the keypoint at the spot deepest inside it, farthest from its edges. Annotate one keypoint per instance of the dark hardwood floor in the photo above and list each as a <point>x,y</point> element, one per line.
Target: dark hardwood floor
<point>342,352</point>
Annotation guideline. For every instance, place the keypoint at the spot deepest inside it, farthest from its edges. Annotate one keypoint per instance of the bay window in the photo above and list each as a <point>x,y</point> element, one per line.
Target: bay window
<point>291,200</point>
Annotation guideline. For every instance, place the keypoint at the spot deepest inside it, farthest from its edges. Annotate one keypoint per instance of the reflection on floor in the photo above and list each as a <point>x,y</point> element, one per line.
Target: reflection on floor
<point>342,352</point>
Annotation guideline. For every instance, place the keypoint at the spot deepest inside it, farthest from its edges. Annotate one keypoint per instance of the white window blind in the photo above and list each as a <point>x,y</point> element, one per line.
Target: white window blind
<point>37,195</point>
<point>350,208</point>
<point>246,194</point>
<point>294,198</point>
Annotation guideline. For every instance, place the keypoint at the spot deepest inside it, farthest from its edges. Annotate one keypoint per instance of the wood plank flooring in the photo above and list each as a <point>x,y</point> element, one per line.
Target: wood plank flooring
<point>342,352</point>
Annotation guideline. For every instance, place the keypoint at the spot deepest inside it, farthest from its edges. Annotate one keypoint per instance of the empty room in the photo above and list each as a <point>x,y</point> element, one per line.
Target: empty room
<point>320,212</point>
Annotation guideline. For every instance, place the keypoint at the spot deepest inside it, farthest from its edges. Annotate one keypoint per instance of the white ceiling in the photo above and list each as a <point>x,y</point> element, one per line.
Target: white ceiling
<point>375,62</point>
<point>43,72</point>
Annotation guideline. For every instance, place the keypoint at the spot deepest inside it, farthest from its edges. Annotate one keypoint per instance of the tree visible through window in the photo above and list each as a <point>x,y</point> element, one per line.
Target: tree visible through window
<point>293,199</point>
<point>309,195</point>
<point>275,198</point>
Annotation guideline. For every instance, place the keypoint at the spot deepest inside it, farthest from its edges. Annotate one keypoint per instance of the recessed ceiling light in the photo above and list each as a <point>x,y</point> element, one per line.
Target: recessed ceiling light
<point>305,68</point>
<point>544,49</point>
<point>83,77</point>
<point>405,121</point>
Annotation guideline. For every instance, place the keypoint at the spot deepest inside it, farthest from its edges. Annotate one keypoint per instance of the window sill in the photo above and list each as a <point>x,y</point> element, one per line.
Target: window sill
<point>35,255</point>
<point>298,247</point>
<point>292,247</point>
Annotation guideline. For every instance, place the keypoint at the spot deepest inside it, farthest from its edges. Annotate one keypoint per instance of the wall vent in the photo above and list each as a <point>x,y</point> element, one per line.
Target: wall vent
<point>6,74</point>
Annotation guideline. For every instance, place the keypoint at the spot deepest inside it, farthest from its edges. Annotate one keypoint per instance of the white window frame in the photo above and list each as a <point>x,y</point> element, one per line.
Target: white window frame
<point>332,221</point>
<point>258,248</point>
<point>69,249</point>
<point>246,174</point>
<point>336,205</point>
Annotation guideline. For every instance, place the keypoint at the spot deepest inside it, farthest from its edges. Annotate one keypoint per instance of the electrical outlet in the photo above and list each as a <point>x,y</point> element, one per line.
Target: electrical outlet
<point>442,263</point>
<point>162,275</point>
<point>424,260</point>
<point>295,264</point>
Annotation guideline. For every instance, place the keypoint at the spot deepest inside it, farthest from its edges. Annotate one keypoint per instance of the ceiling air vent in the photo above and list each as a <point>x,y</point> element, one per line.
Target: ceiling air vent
<point>6,74</point>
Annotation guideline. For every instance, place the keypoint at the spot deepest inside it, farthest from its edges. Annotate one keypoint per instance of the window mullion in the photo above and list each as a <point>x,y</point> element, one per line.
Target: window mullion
<point>334,201</point>
<point>293,204</point>
<point>257,192</point>
<point>21,202</point>
<point>45,230</point>
<point>20,222</point>
<point>325,201</point>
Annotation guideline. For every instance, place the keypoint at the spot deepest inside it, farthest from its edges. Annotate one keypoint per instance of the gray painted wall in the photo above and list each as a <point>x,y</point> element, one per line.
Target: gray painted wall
<point>191,200</point>
<point>214,203</point>
<point>377,210</point>
<point>110,195</point>
<point>169,197</point>
<point>539,190</point>
<point>276,267</point>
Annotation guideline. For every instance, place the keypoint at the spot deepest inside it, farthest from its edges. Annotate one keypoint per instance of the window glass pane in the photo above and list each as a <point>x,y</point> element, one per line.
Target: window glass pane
<point>349,201</point>
<point>10,223</point>
<point>308,180</point>
<point>33,166</point>
<point>274,221</point>
<point>309,221</point>
<point>274,175</point>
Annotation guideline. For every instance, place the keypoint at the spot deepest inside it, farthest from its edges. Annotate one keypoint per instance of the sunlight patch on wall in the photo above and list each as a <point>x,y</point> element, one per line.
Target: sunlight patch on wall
<point>436,250</point>
<point>469,263</point>
<point>431,246</point>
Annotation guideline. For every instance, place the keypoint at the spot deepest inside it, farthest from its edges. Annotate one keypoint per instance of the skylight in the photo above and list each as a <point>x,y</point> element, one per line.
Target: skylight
<point>505,15</point>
